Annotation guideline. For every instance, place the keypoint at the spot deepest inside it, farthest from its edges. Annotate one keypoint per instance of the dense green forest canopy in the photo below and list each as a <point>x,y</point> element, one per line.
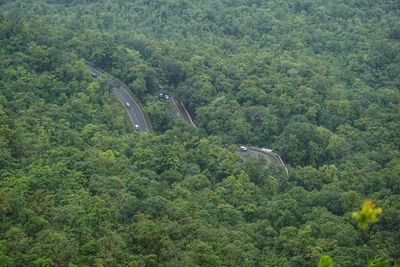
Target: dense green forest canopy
<point>317,81</point>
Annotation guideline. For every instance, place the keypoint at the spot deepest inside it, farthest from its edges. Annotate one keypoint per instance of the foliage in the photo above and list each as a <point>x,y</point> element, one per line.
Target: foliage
<point>368,214</point>
<point>325,261</point>
<point>379,263</point>
<point>316,81</point>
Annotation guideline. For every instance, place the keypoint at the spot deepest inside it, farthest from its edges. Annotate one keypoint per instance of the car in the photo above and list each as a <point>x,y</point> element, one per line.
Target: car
<point>243,148</point>
<point>161,95</point>
<point>128,105</point>
<point>267,150</point>
<point>94,74</point>
<point>136,126</point>
<point>166,97</point>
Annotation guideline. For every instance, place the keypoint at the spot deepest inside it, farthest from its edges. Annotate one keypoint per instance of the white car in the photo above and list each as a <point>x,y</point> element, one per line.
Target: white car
<point>243,148</point>
<point>166,97</point>
<point>128,105</point>
<point>266,150</point>
<point>136,126</point>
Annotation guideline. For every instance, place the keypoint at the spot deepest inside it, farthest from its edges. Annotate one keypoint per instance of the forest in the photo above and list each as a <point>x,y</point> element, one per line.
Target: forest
<point>316,81</point>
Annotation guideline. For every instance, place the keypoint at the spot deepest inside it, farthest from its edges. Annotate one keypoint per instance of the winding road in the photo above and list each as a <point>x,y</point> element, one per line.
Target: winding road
<point>137,118</point>
<point>134,112</point>
<point>183,111</point>
<point>266,153</point>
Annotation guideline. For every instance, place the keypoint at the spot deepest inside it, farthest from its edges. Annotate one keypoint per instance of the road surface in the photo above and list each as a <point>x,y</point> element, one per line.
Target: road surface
<point>137,117</point>
<point>134,112</point>
<point>268,154</point>
<point>183,111</point>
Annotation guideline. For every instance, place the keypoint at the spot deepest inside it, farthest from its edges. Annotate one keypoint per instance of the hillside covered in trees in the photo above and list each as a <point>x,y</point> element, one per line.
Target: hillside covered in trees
<point>317,81</point>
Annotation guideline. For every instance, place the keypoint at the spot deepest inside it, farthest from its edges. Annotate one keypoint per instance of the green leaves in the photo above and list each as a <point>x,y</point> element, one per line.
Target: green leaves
<point>379,263</point>
<point>368,214</point>
<point>325,261</point>
<point>300,77</point>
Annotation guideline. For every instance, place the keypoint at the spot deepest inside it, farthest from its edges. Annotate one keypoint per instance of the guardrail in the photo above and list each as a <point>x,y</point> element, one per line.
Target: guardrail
<point>145,115</point>
<point>270,152</point>
<point>181,109</point>
<point>125,87</point>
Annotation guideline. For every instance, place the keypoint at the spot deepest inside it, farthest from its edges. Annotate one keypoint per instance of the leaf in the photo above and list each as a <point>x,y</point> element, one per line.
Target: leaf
<point>325,261</point>
<point>379,263</point>
<point>368,214</point>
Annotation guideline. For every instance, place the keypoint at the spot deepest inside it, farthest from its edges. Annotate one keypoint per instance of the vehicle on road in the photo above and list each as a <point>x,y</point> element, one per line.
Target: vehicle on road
<point>94,74</point>
<point>267,150</point>
<point>166,97</point>
<point>136,126</point>
<point>243,148</point>
<point>128,105</point>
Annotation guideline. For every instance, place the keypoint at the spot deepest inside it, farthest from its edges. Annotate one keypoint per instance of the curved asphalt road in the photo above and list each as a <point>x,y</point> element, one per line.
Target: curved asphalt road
<point>134,112</point>
<point>183,111</point>
<point>266,153</point>
<point>137,117</point>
